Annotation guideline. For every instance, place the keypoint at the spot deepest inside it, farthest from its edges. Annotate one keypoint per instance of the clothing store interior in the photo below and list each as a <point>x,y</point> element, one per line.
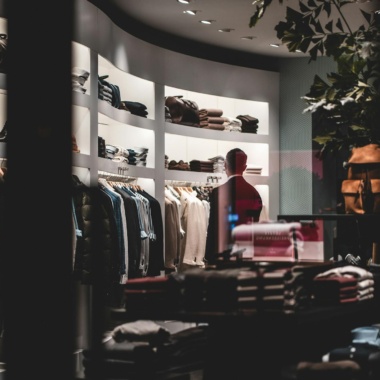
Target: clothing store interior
<point>189,190</point>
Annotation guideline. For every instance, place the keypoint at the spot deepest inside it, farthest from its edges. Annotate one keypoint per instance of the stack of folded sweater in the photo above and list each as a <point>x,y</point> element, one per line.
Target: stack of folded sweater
<point>78,79</point>
<point>284,289</point>
<point>225,290</point>
<point>253,169</point>
<point>344,284</point>
<point>206,166</point>
<point>136,156</point>
<point>218,164</point>
<point>232,124</point>
<point>249,124</point>
<point>211,118</point>
<point>145,349</point>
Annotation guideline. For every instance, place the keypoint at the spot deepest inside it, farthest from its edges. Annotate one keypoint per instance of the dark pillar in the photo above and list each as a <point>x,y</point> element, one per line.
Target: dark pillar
<point>36,251</point>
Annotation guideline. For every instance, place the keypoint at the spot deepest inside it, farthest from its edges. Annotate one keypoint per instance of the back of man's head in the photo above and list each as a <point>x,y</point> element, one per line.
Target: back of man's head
<point>236,161</point>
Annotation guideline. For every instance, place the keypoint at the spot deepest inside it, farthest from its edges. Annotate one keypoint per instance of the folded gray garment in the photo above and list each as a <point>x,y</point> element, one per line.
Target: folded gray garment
<point>78,71</point>
<point>141,330</point>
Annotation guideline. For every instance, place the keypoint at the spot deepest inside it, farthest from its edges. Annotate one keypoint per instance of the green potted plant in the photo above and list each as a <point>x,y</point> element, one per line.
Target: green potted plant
<point>347,103</point>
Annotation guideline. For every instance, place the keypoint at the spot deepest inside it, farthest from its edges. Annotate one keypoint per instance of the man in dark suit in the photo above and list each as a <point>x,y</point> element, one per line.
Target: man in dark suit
<point>232,203</point>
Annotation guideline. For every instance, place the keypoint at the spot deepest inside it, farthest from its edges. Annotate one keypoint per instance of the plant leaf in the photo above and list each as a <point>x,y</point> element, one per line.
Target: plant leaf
<point>329,26</point>
<point>318,27</point>
<point>303,7</point>
<point>366,15</point>
<point>339,24</point>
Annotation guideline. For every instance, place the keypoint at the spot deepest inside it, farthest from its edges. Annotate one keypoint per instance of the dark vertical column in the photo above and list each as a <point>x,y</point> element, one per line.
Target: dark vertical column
<point>37,254</point>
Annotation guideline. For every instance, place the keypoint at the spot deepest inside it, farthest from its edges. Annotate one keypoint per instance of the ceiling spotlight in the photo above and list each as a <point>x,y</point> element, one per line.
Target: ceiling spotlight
<point>274,45</point>
<point>248,37</point>
<point>192,13</point>
<point>208,22</point>
<point>226,30</point>
<point>184,1</point>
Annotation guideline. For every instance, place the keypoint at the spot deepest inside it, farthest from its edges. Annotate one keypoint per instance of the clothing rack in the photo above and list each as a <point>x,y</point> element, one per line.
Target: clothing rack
<point>214,181</point>
<point>116,177</point>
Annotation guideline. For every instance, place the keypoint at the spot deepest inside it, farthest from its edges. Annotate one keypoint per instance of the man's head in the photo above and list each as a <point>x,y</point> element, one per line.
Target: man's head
<point>236,162</point>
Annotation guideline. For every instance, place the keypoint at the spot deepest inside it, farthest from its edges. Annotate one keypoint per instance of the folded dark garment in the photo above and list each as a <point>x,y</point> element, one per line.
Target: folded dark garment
<point>337,370</point>
<point>361,354</point>
<point>247,119</point>
<point>249,128</point>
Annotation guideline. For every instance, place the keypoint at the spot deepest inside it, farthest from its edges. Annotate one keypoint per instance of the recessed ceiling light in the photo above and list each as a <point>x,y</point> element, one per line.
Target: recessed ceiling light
<point>274,45</point>
<point>184,1</point>
<point>226,30</point>
<point>248,37</point>
<point>191,12</point>
<point>208,22</point>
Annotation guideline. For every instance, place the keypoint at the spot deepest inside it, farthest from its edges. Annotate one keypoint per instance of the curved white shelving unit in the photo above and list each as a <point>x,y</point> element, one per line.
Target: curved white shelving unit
<point>178,129</point>
<point>146,74</point>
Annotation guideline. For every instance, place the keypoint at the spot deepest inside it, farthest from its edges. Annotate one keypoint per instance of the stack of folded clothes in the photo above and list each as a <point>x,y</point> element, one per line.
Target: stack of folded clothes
<point>344,284</point>
<point>249,124</point>
<point>109,92</point>
<point>180,165</point>
<point>136,156</point>
<point>145,349</point>
<point>225,290</point>
<point>211,118</point>
<point>284,289</point>
<point>152,294</point>
<point>101,147</point>
<point>335,290</point>
<point>78,79</point>
<point>253,169</point>
<point>232,124</point>
<point>202,166</point>
<point>218,164</point>
<point>242,290</point>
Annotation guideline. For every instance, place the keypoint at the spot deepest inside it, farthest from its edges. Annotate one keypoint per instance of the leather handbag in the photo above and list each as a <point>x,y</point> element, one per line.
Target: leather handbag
<point>361,196</point>
<point>364,161</point>
<point>361,189</point>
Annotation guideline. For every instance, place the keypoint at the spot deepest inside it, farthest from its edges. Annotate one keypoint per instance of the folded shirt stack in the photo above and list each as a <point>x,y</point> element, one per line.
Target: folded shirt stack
<point>218,164</point>
<point>253,169</point>
<point>211,118</point>
<point>249,124</point>
<point>232,124</point>
<point>206,166</point>
<point>136,156</point>
<point>365,288</point>
<point>79,77</point>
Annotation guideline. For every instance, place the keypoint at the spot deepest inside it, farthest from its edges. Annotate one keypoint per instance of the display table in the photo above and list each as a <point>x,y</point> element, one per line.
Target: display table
<point>345,233</point>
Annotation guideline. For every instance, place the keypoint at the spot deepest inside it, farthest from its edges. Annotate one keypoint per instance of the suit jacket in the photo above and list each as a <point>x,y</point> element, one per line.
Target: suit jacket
<point>233,203</point>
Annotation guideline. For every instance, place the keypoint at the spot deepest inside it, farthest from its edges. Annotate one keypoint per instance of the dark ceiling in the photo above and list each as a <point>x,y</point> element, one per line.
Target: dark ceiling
<point>164,23</point>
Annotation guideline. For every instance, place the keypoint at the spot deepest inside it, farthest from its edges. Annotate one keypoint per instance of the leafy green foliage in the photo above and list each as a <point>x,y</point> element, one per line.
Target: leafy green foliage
<point>348,101</point>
